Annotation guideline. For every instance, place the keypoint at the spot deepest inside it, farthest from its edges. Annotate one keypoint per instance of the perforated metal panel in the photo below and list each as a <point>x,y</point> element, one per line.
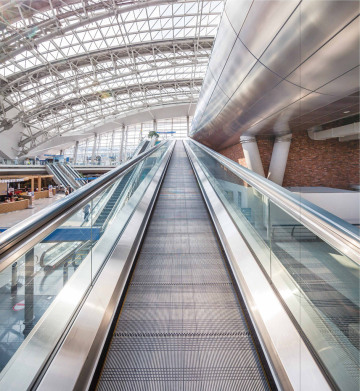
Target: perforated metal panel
<point>181,326</point>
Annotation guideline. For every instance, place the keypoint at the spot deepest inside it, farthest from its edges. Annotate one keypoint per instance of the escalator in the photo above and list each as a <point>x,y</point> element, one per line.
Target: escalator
<point>65,176</point>
<point>69,175</point>
<point>181,322</point>
<point>111,203</point>
<point>58,176</point>
<point>144,147</point>
<point>74,174</point>
<point>77,251</point>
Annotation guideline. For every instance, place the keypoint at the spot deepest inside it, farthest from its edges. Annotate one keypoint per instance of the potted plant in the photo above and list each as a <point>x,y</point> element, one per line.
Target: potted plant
<point>153,134</point>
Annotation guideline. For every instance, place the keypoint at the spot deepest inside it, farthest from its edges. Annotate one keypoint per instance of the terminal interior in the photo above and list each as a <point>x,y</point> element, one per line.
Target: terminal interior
<point>179,195</point>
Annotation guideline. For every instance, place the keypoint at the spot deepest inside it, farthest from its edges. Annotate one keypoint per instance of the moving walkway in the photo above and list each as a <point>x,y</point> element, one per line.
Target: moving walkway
<point>196,281</point>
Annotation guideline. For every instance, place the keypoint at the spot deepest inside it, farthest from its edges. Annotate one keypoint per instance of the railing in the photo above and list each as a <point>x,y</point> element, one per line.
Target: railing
<point>42,218</point>
<point>338,233</point>
<point>310,256</point>
<point>49,296</point>
<point>16,162</point>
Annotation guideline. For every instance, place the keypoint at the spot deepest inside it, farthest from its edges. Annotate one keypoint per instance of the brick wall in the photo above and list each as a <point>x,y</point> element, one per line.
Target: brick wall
<point>311,163</point>
<point>322,163</point>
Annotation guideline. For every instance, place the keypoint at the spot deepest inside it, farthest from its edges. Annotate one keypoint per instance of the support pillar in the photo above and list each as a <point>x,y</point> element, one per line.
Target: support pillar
<point>279,159</point>
<point>187,126</point>
<point>251,154</point>
<point>32,184</point>
<point>141,132</point>
<point>65,273</point>
<point>85,152</point>
<point>154,125</point>
<point>112,142</point>
<point>14,277</point>
<point>39,183</point>
<point>76,149</point>
<point>122,143</point>
<point>29,291</point>
<point>126,143</point>
<point>94,149</point>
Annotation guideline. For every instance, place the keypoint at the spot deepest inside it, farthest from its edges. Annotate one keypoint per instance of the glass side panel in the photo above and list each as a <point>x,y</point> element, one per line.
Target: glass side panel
<point>72,253</point>
<point>247,207</point>
<point>319,285</point>
<point>327,286</point>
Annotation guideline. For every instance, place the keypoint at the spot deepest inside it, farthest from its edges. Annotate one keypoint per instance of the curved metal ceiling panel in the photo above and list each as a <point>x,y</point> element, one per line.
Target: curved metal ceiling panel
<point>67,64</point>
<point>286,65</point>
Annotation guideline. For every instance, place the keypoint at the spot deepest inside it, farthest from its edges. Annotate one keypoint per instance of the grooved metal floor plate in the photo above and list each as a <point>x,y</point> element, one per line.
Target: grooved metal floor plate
<point>181,326</point>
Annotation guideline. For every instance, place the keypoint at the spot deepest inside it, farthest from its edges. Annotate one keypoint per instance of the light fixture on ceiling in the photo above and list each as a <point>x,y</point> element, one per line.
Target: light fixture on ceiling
<point>347,111</point>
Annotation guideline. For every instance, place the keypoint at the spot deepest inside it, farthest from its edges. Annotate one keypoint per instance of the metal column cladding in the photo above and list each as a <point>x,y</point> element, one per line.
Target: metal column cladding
<point>279,65</point>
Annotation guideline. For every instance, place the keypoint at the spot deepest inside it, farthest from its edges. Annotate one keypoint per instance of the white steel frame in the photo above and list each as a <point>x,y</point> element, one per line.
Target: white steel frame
<point>66,64</point>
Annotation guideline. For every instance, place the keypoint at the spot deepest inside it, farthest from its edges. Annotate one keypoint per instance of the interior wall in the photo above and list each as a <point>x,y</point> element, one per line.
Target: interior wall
<point>327,163</point>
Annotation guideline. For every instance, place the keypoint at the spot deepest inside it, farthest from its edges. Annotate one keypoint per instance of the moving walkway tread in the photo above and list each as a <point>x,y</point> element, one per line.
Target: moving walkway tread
<point>181,325</point>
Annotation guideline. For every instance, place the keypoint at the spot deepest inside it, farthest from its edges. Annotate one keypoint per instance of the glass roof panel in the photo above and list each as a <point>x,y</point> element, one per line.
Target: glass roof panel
<point>82,60</point>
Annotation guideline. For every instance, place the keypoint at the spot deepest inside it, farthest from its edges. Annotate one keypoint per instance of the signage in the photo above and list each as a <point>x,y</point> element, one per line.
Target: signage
<point>12,180</point>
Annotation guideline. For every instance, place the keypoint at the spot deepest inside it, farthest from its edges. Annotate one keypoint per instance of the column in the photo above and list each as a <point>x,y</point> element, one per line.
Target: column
<point>251,154</point>
<point>279,158</point>
<point>126,143</point>
<point>112,142</point>
<point>187,126</point>
<point>39,183</point>
<point>94,149</point>
<point>122,143</point>
<point>32,184</point>
<point>141,132</point>
<point>65,273</point>
<point>154,125</point>
<point>14,277</point>
<point>76,149</point>
<point>29,292</point>
<point>85,160</point>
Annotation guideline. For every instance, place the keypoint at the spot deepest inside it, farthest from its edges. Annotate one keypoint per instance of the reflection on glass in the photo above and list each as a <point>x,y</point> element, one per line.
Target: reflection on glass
<point>319,285</point>
<point>80,245</point>
<point>328,283</point>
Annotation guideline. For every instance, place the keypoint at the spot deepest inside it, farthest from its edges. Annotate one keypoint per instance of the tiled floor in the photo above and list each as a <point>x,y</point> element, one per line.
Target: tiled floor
<point>9,219</point>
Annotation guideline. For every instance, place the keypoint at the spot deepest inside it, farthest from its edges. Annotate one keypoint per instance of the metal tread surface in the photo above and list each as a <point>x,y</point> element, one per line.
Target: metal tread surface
<point>181,326</point>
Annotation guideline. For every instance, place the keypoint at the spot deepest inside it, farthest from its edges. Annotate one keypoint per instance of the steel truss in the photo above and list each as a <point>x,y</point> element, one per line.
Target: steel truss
<point>67,64</point>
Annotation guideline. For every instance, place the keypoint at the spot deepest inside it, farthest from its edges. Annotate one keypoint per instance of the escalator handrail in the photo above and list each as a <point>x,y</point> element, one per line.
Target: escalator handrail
<point>69,175</point>
<point>60,175</point>
<point>52,170</point>
<point>75,174</point>
<point>338,233</point>
<point>25,228</point>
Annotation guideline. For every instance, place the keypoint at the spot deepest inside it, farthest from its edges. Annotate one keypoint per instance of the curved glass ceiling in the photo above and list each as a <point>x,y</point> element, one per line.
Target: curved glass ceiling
<point>67,64</point>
